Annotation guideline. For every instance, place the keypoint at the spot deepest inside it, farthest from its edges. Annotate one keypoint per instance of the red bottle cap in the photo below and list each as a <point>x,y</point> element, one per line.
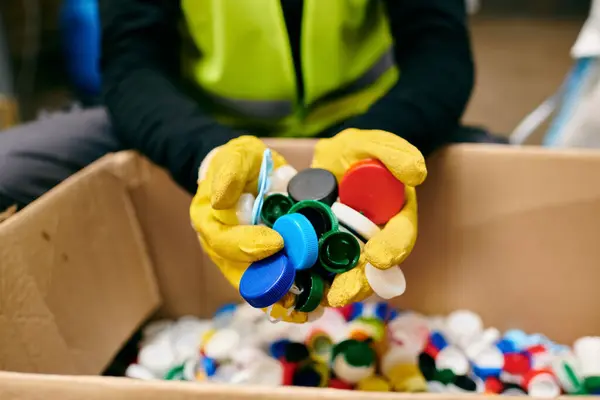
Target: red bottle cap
<point>431,350</point>
<point>516,363</point>
<point>493,385</point>
<point>289,369</point>
<point>371,189</point>
<point>339,384</point>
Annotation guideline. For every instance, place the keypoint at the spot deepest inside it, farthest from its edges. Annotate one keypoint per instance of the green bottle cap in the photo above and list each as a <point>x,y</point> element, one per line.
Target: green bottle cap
<point>312,286</point>
<point>319,214</point>
<point>338,252</point>
<point>592,384</point>
<point>296,352</point>
<point>446,376</point>
<point>175,373</point>
<point>275,206</point>
<point>356,353</point>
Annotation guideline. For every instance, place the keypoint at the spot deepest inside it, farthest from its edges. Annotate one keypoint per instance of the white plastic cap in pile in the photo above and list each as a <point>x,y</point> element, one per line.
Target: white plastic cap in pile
<point>386,283</point>
<point>410,330</point>
<point>452,358</point>
<point>280,179</point>
<point>486,339</point>
<point>137,371</point>
<point>157,356</point>
<point>222,344</point>
<point>587,350</point>
<point>489,358</point>
<point>244,207</point>
<point>462,326</point>
<point>349,373</point>
<point>569,380</point>
<point>155,329</point>
<point>436,387</point>
<point>543,385</point>
<point>265,372</point>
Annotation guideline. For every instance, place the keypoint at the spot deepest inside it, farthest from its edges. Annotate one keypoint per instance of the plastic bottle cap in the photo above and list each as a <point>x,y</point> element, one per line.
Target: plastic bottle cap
<point>189,369</point>
<point>489,358</point>
<point>307,376</point>
<point>281,178</point>
<point>565,368</point>
<point>543,385</point>
<point>301,244</point>
<point>438,340</point>
<point>266,281</point>
<point>462,326</point>
<point>313,184</point>
<point>320,345</point>
<point>406,378</point>
<point>374,384</point>
<point>386,283</point>
<point>265,372</point>
<point>493,385</point>
<point>587,350</point>
<point>222,344</point>
<point>518,339</point>
<point>446,376</point>
<point>244,208</point>
<point>264,183</point>
<point>275,206</point>
<point>359,225</point>
<point>353,360</point>
<point>312,286</point>
<point>339,384</point>
<point>397,355</point>
<point>512,389</point>
<point>339,252</point>
<point>370,188</point>
<point>516,363</point>
<point>175,373</point>
<point>296,352</point>
<point>464,383</point>
<point>427,366</point>
<point>157,357</point>
<point>454,359</point>
<point>487,338</point>
<point>349,373</point>
<point>137,371</point>
<point>316,315</point>
<point>319,214</point>
<point>436,387</point>
<point>155,329</point>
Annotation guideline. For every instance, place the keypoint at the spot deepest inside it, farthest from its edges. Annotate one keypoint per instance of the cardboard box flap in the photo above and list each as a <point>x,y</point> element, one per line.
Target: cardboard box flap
<point>74,282</point>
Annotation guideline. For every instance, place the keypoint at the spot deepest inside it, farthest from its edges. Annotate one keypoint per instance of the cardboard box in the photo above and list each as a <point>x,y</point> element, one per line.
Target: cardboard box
<point>511,233</point>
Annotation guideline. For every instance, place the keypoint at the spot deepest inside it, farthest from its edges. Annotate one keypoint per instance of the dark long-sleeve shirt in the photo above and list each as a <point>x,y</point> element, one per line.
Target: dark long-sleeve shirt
<point>140,53</point>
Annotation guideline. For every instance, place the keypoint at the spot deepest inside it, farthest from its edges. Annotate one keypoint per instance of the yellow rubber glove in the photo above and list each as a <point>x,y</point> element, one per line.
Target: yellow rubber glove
<point>396,240</point>
<point>233,169</point>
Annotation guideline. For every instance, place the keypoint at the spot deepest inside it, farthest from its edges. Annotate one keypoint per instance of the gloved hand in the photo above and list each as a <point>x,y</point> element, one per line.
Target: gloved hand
<point>233,169</point>
<point>396,240</point>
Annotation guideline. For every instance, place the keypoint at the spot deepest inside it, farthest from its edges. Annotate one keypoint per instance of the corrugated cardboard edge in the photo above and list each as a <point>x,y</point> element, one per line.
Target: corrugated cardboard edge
<point>43,387</point>
<point>74,284</point>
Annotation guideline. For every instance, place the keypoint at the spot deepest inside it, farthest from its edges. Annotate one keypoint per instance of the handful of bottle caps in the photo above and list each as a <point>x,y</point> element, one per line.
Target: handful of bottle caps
<point>367,346</point>
<point>324,226</point>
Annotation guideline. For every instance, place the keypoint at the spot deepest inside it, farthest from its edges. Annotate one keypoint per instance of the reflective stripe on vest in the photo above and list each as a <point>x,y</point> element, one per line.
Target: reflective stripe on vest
<point>278,109</point>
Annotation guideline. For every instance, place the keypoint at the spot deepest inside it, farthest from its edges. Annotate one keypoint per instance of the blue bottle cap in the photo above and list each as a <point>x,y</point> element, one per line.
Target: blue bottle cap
<point>356,311</point>
<point>267,281</point>
<point>300,242</point>
<point>438,340</point>
<point>264,183</point>
<point>226,309</point>
<point>277,348</point>
<point>506,346</point>
<point>209,365</point>
<point>385,312</point>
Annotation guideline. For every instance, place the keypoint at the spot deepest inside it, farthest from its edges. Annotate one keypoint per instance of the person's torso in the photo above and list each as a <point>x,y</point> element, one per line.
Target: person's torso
<point>290,71</point>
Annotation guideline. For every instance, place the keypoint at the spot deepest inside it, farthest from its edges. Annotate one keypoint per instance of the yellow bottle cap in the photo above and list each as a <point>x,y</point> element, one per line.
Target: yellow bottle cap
<point>374,384</point>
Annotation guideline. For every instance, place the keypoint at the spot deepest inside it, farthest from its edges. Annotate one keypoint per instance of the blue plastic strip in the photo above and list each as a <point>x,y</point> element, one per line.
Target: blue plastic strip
<point>264,183</point>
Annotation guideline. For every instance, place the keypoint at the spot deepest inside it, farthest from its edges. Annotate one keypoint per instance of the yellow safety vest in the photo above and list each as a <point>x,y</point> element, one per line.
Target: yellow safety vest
<point>242,62</point>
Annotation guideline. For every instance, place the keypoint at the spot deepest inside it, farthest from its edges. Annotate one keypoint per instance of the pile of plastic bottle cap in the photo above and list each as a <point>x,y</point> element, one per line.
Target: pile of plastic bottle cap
<point>370,347</point>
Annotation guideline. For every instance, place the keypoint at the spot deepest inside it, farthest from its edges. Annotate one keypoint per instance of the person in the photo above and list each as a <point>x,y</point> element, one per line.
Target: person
<point>182,77</point>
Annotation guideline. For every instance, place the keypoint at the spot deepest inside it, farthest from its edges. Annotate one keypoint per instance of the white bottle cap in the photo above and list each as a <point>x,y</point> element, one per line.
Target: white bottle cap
<point>281,177</point>
<point>397,355</point>
<point>491,357</point>
<point>245,357</point>
<point>189,369</point>
<point>452,358</point>
<point>543,385</point>
<point>436,387</point>
<point>222,344</point>
<point>244,207</point>
<point>409,330</point>
<point>137,371</point>
<point>462,326</point>
<point>388,283</point>
<point>266,372</point>
<point>507,377</point>
<point>158,357</point>
<point>349,373</point>
<point>486,339</point>
<point>587,350</point>
<point>355,221</point>
<point>225,373</point>
<point>316,314</point>
<point>571,383</point>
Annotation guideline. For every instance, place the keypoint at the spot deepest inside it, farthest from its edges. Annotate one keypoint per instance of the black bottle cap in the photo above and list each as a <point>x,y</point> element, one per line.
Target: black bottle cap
<point>314,184</point>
